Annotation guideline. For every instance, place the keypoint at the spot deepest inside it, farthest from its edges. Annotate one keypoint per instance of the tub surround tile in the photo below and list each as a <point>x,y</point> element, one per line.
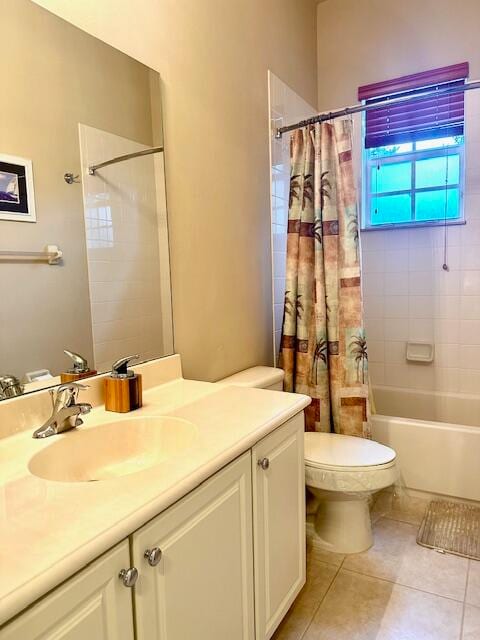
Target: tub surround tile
<point>358,607</point>
<point>397,557</point>
<point>285,107</point>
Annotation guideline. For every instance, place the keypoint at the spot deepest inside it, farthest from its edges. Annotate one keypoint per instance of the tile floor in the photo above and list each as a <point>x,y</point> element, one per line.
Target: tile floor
<point>397,590</point>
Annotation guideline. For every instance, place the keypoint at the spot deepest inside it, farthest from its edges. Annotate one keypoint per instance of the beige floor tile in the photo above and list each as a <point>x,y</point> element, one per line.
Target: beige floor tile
<point>471,623</point>
<point>473,588</point>
<point>398,505</point>
<point>319,578</point>
<point>314,551</point>
<point>396,556</point>
<point>361,608</point>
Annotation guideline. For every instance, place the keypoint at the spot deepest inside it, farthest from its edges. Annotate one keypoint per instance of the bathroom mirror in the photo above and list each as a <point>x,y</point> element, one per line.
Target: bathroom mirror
<point>83,258</point>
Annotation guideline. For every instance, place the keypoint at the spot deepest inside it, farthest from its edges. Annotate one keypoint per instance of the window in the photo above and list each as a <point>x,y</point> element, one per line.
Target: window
<point>413,161</point>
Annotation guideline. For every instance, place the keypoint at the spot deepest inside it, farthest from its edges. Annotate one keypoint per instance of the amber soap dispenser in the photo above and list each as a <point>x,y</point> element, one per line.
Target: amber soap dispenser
<point>123,387</point>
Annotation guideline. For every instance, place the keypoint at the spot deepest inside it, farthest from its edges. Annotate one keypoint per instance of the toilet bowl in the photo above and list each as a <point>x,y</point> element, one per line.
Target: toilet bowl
<point>342,472</point>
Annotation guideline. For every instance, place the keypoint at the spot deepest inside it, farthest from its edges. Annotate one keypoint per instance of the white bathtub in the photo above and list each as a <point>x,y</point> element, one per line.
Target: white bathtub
<point>436,437</point>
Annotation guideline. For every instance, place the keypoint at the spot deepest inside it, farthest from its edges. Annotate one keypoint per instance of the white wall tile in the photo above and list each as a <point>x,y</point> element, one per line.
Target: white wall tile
<point>396,260</point>
<point>447,380</point>
<point>404,267</point>
<point>395,352</point>
<point>373,283</point>
<point>447,355</point>
<point>470,332</point>
<point>374,328</point>
<point>469,381</point>
<point>397,375</point>
<point>377,373</point>
<point>374,306</point>
<point>396,329</point>
<point>446,332</point>
<point>121,224</point>
<point>396,306</point>
<point>286,107</point>
<point>447,307</point>
<point>396,284</point>
<point>373,262</point>
<point>470,283</point>
<point>421,306</point>
<point>420,283</point>
<point>470,308</point>
<point>469,357</point>
<point>421,330</point>
<point>376,351</point>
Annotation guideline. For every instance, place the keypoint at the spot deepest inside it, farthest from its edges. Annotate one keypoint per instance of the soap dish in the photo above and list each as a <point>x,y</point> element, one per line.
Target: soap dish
<point>420,351</point>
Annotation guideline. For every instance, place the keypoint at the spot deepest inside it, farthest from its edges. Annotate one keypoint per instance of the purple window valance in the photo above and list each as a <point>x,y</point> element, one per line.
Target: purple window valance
<point>432,117</point>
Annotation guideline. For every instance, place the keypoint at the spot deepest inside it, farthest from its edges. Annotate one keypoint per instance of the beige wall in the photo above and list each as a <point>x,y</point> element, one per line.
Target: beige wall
<point>61,78</point>
<point>363,41</point>
<point>213,57</point>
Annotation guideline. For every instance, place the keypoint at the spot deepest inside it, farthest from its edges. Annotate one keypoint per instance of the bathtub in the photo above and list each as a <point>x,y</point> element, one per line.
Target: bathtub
<point>436,437</point>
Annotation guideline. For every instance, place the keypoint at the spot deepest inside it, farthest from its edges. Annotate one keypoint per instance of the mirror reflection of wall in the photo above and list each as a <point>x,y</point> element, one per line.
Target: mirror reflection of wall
<point>69,101</point>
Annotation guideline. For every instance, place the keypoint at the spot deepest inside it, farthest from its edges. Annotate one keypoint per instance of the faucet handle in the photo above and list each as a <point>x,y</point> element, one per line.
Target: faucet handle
<point>68,393</point>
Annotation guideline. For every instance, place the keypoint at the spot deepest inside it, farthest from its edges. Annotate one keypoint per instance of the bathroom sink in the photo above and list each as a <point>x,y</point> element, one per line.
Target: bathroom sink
<point>113,449</point>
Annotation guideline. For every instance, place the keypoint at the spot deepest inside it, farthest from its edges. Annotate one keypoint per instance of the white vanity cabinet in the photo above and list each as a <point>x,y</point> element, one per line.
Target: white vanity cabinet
<point>225,561</point>
<point>202,584</point>
<point>93,605</point>
<point>278,523</point>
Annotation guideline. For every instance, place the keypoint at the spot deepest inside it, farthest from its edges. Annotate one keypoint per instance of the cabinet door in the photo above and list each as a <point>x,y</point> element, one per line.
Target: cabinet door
<point>202,586</point>
<point>93,605</point>
<point>279,523</point>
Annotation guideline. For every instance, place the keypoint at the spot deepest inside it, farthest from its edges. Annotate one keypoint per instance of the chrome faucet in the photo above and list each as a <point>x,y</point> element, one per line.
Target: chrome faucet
<point>66,411</point>
<point>10,387</point>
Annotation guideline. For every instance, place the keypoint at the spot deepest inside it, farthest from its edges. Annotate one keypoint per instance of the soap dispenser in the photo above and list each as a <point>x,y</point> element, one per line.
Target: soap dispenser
<point>79,370</point>
<point>123,387</point>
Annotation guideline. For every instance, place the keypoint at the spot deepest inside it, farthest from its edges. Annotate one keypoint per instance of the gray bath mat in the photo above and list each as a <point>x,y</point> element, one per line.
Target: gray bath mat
<point>452,527</point>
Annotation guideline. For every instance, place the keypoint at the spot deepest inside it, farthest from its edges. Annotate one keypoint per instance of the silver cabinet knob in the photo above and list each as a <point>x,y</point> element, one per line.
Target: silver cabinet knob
<point>153,556</point>
<point>264,463</point>
<point>128,576</point>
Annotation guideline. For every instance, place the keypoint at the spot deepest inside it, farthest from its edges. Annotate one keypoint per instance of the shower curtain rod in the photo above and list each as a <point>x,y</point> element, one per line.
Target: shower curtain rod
<point>357,108</point>
<point>128,156</point>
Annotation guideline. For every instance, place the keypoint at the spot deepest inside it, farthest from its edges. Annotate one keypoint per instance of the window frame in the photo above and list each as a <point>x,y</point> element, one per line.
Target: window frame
<point>410,156</point>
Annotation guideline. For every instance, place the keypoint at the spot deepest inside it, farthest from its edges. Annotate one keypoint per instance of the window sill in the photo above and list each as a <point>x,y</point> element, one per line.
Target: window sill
<point>414,225</point>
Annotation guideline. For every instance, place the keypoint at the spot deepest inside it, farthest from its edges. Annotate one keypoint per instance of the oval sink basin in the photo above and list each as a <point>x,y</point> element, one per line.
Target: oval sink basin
<point>113,449</point>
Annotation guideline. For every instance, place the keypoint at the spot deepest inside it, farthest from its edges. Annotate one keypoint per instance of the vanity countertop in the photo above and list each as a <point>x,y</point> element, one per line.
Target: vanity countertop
<point>49,530</point>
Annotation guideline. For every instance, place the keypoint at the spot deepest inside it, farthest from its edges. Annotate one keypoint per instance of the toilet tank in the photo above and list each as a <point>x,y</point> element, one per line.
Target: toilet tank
<point>259,377</point>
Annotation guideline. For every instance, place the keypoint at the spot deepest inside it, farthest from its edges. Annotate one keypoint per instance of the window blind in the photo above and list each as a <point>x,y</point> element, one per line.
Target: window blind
<point>433,117</point>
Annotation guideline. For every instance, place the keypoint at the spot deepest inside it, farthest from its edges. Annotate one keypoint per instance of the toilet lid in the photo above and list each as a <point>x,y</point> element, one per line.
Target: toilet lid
<point>339,451</point>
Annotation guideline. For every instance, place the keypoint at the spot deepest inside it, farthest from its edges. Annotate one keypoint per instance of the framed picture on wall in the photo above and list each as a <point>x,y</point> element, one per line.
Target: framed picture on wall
<point>17,199</point>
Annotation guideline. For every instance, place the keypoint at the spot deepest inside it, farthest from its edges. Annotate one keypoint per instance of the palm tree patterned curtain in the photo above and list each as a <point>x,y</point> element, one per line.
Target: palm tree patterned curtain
<point>323,348</point>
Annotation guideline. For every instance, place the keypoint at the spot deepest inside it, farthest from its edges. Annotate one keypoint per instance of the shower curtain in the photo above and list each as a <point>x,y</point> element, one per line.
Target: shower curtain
<point>323,347</point>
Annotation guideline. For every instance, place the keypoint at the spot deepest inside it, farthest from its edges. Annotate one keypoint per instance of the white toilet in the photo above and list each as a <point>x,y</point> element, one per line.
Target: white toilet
<point>342,472</point>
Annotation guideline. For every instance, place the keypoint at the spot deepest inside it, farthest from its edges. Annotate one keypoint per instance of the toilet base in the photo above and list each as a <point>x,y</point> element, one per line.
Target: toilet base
<point>342,521</point>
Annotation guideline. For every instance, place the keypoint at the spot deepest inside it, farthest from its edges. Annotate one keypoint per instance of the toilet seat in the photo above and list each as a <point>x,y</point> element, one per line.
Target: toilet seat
<point>338,452</point>
<point>339,463</point>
